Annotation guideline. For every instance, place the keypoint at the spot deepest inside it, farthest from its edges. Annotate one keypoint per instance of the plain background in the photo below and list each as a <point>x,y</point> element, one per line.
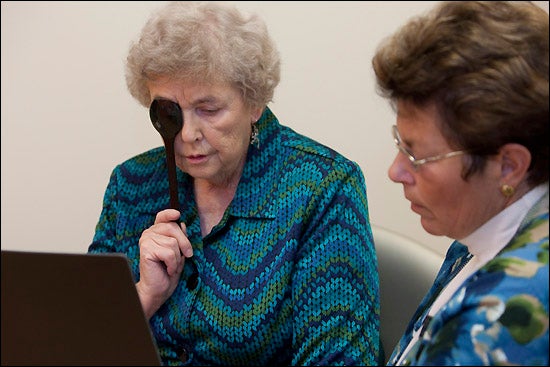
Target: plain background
<point>67,118</point>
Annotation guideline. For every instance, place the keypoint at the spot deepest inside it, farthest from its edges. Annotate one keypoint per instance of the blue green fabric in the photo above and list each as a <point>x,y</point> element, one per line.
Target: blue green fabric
<point>499,316</point>
<point>288,277</point>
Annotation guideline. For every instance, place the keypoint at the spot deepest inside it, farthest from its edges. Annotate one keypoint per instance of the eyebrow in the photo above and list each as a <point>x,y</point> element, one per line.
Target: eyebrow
<point>206,99</point>
<point>406,142</point>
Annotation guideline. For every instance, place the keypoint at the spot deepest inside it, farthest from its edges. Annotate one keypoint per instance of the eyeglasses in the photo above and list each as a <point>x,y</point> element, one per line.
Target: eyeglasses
<point>418,162</point>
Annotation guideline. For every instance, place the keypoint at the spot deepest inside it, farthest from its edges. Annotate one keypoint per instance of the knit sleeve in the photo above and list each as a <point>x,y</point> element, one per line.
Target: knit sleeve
<point>112,231</point>
<point>105,227</point>
<point>335,285</point>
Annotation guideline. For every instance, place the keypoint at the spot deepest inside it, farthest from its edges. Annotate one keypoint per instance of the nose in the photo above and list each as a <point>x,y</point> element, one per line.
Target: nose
<point>191,131</point>
<point>400,170</point>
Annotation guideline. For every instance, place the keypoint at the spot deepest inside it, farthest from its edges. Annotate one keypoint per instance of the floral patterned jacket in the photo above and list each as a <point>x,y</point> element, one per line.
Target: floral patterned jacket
<point>499,316</point>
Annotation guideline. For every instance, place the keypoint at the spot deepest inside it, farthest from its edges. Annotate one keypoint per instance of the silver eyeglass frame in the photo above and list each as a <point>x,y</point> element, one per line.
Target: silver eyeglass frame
<point>419,162</point>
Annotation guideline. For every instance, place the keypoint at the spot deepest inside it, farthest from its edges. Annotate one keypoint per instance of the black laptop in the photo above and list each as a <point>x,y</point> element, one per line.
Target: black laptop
<point>72,309</point>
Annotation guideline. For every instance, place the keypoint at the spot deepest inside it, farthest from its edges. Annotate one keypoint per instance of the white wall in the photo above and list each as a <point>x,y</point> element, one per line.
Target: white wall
<point>67,119</point>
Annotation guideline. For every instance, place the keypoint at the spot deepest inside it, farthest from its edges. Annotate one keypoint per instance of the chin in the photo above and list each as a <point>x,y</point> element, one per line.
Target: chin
<point>431,227</point>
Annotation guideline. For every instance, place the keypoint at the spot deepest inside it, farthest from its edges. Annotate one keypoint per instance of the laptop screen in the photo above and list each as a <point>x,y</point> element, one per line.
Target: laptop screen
<point>72,309</point>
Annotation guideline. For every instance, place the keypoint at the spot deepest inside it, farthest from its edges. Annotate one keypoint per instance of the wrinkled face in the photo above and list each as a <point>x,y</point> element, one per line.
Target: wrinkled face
<point>214,140</point>
<point>447,204</point>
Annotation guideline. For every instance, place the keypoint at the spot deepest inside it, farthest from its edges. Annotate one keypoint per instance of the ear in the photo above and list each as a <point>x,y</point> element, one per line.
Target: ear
<point>515,161</point>
<point>256,113</point>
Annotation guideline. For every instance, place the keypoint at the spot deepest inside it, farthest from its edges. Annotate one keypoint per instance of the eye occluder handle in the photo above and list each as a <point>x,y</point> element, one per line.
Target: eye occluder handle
<point>172,177</point>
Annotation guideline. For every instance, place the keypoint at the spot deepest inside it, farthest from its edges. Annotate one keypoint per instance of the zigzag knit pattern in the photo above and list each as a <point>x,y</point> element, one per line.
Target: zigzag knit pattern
<point>289,275</point>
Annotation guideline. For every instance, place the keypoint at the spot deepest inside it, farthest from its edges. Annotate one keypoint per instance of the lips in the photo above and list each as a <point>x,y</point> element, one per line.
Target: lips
<point>417,208</point>
<point>196,158</point>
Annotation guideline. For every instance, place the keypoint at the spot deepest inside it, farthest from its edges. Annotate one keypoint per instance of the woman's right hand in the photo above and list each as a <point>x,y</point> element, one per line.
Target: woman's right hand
<point>163,248</point>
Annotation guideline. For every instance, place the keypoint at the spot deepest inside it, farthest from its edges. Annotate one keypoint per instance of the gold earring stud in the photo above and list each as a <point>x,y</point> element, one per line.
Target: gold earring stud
<point>507,190</point>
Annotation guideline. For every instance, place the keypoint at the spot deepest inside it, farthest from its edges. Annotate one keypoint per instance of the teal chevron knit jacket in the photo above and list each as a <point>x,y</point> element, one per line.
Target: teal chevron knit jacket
<point>288,277</point>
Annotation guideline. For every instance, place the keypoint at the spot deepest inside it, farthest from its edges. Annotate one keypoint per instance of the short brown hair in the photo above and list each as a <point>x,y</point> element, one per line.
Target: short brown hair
<point>485,65</point>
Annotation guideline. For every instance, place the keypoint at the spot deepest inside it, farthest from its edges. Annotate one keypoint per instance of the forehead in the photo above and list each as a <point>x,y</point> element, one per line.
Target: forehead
<point>191,91</point>
<point>418,114</point>
<point>419,126</point>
